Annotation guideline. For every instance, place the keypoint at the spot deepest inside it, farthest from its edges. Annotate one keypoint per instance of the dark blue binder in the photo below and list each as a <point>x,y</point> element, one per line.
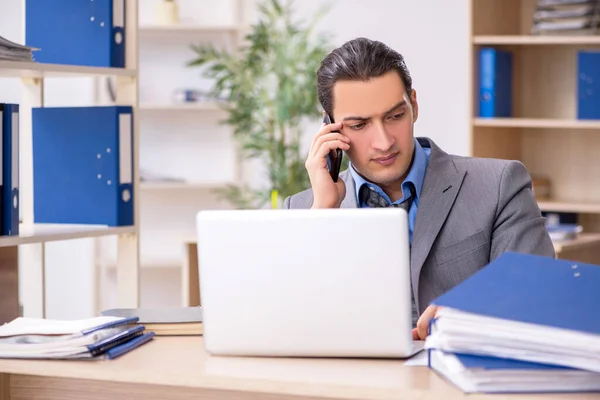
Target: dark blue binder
<point>495,83</point>
<point>532,289</point>
<point>102,346</point>
<point>9,198</point>
<point>474,373</point>
<point>77,32</point>
<point>83,165</point>
<point>588,85</point>
<point>128,346</point>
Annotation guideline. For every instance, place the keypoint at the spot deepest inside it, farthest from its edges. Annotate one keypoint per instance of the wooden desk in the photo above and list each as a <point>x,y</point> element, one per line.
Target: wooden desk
<point>178,368</point>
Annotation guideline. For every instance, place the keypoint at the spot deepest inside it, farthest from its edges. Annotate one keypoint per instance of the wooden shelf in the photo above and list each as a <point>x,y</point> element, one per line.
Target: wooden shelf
<point>544,123</point>
<point>535,40</point>
<point>20,69</point>
<point>583,240</point>
<point>199,106</point>
<point>570,207</point>
<point>41,233</point>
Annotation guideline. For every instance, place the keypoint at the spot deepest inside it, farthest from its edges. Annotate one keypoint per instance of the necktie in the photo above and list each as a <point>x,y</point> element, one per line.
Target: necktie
<point>373,199</point>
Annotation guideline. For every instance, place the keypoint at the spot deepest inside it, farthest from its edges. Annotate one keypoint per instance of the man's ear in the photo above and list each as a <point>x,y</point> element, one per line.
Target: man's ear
<point>415,104</point>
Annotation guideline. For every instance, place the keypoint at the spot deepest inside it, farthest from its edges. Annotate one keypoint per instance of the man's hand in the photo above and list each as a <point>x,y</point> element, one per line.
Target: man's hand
<point>420,332</point>
<point>326,192</point>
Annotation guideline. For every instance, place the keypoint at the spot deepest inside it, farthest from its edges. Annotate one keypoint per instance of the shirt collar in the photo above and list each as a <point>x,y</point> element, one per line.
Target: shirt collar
<point>416,176</point>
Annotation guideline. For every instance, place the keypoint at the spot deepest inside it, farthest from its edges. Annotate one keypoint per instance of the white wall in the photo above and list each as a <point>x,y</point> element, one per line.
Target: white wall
<point>431,34</point>
<point>433,37</point>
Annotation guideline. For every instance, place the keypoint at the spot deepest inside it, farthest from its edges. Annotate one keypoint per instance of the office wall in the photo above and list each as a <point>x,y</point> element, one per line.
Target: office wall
<point>432,35</point>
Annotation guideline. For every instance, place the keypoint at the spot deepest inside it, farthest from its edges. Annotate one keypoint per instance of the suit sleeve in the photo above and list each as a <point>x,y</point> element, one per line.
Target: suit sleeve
<point>286,202</point>
<point>519,225</point>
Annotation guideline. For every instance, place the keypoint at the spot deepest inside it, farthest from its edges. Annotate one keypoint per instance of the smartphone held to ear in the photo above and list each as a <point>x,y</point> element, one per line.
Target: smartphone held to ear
<point>334,158</point>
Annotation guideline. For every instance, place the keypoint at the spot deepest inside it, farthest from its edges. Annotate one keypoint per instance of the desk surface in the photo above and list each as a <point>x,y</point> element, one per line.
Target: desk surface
<point>182,364</point>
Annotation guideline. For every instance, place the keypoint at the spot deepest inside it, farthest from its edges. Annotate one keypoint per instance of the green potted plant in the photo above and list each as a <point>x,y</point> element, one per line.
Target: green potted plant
<point>269,88</point>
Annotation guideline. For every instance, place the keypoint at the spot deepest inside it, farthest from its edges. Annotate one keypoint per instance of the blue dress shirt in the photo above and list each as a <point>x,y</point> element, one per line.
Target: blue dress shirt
<point>416,176</point>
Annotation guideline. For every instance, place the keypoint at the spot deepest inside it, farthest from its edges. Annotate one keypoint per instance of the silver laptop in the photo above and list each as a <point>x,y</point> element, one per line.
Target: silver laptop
<point>310,283</point>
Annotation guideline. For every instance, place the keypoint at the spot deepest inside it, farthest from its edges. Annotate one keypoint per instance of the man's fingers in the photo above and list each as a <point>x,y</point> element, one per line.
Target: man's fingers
<point>423,322</point>
<point>326,147</point>
<point>325,129</point>
<point>415,334</point>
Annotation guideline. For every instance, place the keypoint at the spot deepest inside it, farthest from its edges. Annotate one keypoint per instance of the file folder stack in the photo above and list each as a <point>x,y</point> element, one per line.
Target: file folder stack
<point>96,338</point>
<point>83,165</point>
<point>524,323</point>
<point>566,17</point>
<point>9,174</point>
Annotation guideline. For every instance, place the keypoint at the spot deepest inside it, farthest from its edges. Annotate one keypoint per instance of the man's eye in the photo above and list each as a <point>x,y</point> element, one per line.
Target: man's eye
<point>397,116</point>
<point>357,127</point>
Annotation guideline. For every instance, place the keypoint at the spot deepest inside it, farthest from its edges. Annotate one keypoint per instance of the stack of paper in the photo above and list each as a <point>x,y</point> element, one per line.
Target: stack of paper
<point>94,338</point>
<point>529,319</point>
<point>15,52</point>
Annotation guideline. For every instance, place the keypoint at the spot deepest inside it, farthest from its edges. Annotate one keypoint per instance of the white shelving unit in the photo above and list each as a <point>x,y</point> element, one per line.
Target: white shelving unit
<point>31,258</point>
<point>180,142</point>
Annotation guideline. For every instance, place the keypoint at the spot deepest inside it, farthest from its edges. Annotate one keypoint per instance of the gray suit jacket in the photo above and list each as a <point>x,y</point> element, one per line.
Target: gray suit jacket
<point>471,210</point>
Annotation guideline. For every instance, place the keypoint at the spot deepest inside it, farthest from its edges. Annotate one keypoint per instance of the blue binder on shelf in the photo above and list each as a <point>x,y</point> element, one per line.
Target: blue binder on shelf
<point>495,83</point>
<point>83,165</point>
<point>588,85</point>
<point>77,32</point>
<point>9,185</point>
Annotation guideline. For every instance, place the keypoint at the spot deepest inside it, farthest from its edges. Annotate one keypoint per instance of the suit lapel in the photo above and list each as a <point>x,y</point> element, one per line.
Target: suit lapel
<point>440,187</point>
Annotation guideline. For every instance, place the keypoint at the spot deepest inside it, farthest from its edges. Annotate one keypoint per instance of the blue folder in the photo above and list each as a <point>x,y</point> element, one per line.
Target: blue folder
<point>9,183</point>
<point>588,85</point>
<point>83,165</point>
<point>473,373</point>
<point>77,32</point>
<point>495,83</point>
<point>532,289</point>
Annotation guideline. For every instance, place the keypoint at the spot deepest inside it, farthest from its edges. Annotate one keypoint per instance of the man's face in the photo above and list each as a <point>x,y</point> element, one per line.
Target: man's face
<point>378,118</point>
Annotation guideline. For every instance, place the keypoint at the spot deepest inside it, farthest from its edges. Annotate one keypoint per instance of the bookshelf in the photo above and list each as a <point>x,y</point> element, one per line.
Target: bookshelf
<point>22,257</point>
<point>543,131</point>
<point>185,152</point>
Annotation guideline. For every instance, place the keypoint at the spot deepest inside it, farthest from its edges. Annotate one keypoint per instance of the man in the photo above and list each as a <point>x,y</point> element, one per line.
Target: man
<point>463,212</point>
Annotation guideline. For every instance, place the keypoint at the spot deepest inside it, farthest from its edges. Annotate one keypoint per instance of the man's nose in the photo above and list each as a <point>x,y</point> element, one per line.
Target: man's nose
<point>382,140</point>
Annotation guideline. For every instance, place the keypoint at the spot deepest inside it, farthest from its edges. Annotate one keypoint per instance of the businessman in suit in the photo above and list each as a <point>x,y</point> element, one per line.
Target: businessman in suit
<point>463,212</point>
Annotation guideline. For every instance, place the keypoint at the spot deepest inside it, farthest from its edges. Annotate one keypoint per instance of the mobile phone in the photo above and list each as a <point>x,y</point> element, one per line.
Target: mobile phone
<point>334,158</point>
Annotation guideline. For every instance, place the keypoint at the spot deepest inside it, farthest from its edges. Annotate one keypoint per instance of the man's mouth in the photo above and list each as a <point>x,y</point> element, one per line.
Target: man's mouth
<point>386,160</point>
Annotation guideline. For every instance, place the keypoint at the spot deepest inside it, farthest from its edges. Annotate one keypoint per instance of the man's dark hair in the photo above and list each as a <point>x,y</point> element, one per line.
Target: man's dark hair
<point>359,59</point>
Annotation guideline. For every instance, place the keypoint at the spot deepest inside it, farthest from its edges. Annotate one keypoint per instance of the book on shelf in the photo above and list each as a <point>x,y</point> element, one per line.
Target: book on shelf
<point>168,321</point>
<point>526,308</point>
<point>95,338</point>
